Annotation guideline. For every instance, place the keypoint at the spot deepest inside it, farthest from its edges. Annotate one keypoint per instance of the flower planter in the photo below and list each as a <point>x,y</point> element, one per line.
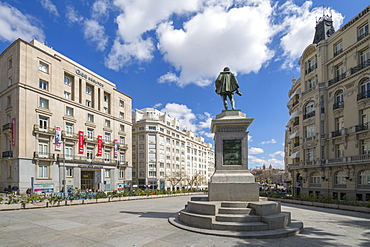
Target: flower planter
<point>308,203</point>
<point>102,200</point>
<point>361,209</point>
<point>35,205</point>
<point>329,205</point>
<point>75,202</point>
<point>318,204</point>
<point>88,201</point>
<point>10,206</point>
<point>346,207</point>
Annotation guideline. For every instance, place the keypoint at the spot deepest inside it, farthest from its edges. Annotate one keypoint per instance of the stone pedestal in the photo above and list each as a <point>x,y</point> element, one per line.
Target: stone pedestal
<point>232,181</point>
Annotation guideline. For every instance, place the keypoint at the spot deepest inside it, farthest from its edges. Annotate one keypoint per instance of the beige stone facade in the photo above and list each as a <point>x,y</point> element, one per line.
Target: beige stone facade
<point>41,92</point>
<point>327,147</point>
<point>166,156</point>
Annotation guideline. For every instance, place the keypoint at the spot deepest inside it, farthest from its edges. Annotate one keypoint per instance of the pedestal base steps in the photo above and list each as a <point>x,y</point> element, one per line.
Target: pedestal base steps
<point>262,219</point>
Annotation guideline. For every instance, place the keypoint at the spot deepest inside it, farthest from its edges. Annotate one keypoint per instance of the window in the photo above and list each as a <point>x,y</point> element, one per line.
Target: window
<point>152,156</point>
<point>152,173</point>
<point>88,89</point>
<point>69,129</point>
<point>88,103</point>
<point>310,154</point>
<point>339,150</point>
<point>121,115</point>
<point>339,101</point>
<point>44,103</point>
<point>338,48</point>
<point>365,177</point>
<point>89,154</point>
<point>340,177</point>
<point>9,100</point>
<point>311,83</point>
<point>310,131</point>
<point>121,127</point>
<point>122,173</point>
<point>106,156</point>
<point>309,110</point>
<point>69,171</point>
<point>365,147</point>
<point>141,146</point>
<point>121,103</point>
<point>44,67</point>
<point>339,72</point>
<point>141,138</point>
<point>152,128</point>
<point>151,138</point>
<point>43,122</point>
<point>107,173</point>
<point>122,158</point>
<point>43,149</point>
<point>365,89</point>
<point>107,123</point>
<point>69,111</point>
<point>68,152</point>
<point>90,118</point>
<point>339,123</point>
<point>43,171</point>
<point>67,80</point>
<point>107,137</point>
<point>43,84</point>
<point>105,109</point>
<point>141,128</point>
<point>363,31</point>
<point>106,97</point>
<point>364,58</point>
<point>315,178</point>
<point>90,134</point>
<point>10,81</point>
<point>121,140</point>
<point>10,63</point>
<point>67,95</point>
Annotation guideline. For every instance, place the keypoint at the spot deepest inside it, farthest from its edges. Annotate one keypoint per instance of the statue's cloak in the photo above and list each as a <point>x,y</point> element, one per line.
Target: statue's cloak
<point>226,83</point>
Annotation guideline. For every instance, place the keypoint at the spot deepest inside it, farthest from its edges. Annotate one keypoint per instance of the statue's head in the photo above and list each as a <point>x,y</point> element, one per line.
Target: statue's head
<point>226,69</point>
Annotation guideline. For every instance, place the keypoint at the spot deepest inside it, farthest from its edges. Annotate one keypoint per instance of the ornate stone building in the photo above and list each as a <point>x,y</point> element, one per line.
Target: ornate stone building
<point>63,126</point>
<point>166,156</point>
<point>327,141</point>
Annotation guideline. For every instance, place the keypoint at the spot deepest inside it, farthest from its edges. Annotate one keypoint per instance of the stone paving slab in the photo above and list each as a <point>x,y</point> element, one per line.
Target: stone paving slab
<point>145,223</point>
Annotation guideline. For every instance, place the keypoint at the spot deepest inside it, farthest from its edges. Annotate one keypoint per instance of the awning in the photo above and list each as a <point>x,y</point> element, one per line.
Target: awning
<point>294,114</point>
<point>298,91</point>
<point>294,155</point>
<point>295,134</point>
<point>290,102</point>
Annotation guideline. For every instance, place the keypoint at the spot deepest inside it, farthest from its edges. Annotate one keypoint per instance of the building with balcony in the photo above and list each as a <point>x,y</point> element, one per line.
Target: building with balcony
<point>327,140</point>
<point>63,126</point>
<point>165,156</point>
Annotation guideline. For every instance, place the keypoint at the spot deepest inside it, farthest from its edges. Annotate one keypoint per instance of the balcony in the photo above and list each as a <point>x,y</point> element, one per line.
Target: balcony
<point>123,146</point>
<point>7,126</point>
<point>69,135</point>
<point>296,144</point>
<point>340,186</point>
<point>336,133</point>
<point>361,127</point>
<point>311,68</point>
<point>360,66</point>
<point>122,163</point>
<point>336,79</point>
<point>363,95</point>
<point>41,155</point>
<point>46,130</point>
<point>296,123</point>
<point>83,159</point>
<point>338,105</point>
<point>360,37</point>
<point>7,154</point>
<point>308,115</point>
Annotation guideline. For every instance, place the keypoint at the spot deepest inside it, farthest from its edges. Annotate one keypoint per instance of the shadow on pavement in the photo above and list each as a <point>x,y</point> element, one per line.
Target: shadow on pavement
<point>149,214</point>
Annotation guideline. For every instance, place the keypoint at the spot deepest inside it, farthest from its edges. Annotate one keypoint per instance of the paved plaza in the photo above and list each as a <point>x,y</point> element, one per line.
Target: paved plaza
<point>145,223</point>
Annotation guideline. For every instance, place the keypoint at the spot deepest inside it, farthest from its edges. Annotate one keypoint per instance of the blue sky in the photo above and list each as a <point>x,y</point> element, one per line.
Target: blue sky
<point>167,53</point>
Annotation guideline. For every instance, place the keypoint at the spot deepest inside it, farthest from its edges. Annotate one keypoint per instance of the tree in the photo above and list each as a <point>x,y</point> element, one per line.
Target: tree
<point>175,178</point>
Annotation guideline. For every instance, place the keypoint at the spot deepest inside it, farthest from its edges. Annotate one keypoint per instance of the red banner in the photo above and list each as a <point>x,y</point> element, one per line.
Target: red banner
<point>81,142</point>
<point>13,131</point>
<point>100,145</point>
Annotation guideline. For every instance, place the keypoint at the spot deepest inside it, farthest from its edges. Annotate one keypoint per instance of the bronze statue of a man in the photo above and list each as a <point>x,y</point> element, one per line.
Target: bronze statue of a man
<point>226,84</point>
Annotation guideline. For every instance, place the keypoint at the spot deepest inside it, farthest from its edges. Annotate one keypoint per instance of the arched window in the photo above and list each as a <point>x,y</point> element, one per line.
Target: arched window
<point>315,178</point>
<point>364,89</point>
<point>339,100</point>
<point>364,177</point>
<point>340,177</point>
<point>309,110</point>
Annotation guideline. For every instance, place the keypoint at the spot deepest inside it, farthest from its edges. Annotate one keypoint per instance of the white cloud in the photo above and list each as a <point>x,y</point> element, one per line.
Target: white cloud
<point>169,77</point>
<point>299,30</point>
<point>14,24</point>
<point>268,142</point>
<point>100,10</point>
<point>253,150</point>
<point>281,153</point>
<point>250,138</point>
<point>253,161</point>
<point>49,6</point>
<point>72,15</point>
<point>216,37</point>
<point>157,105</point>
<point>183,114</point>
<point>95,33</point>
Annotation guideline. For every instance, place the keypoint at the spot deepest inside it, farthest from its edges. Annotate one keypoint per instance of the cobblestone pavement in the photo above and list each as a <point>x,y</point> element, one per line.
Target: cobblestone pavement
<point>145,223</point>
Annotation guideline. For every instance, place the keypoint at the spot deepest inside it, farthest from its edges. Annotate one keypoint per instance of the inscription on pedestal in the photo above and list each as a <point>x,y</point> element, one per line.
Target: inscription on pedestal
<point>232,152</point>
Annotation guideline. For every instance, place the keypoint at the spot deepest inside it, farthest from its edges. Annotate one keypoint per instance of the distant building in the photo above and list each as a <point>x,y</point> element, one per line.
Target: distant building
<point>63,126</point>
<point>165,156</point>
<point>327,141</point>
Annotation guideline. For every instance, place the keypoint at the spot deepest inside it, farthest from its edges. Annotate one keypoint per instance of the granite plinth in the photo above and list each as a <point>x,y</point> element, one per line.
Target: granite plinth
<point>233,192</point>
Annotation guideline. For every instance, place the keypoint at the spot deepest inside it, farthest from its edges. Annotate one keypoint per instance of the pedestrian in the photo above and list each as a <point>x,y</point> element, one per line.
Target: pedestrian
<point>28,191</point>
<point>6,190</point>
<point>15,189</point>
